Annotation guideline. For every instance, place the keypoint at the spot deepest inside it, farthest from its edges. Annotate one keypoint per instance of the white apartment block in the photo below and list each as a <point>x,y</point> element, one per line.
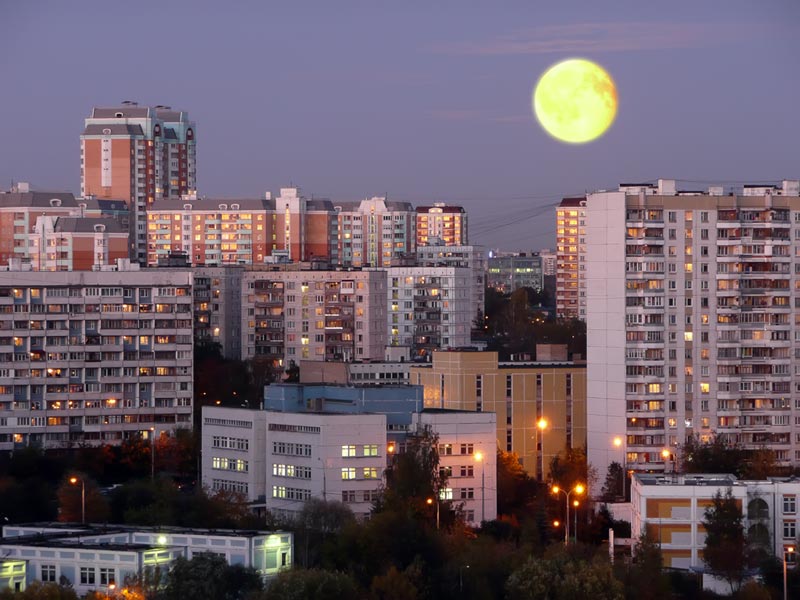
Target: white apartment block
<point>292,315</point>
<point>280,459</point>
<point>375,232</point>
<point>100,558</point>
<point>469,257</point>
<point>93,357</point>
<point>673,509</point>
<point>468,455</point>
<point>429,308</point>
<point>693,321</point>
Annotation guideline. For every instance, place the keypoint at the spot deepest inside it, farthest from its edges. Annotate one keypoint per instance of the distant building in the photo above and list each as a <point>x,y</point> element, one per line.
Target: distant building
<point>520,393</point>
<point>76,243</point>
<point>507,273</point>
<point>140,154</point>
<point>375,232</point>
<point>549,262</point>
<point>91,358</point>
<point>448,224</point>
<point>469,257</point>
<point>571,259</point>
<point>430,307</point>
<point>357,373</point>
<point>218,308</point>
<point>100,558</point>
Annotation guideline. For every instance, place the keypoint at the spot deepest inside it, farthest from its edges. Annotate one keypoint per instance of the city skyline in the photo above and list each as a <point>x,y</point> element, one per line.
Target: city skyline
<point>301,102</point>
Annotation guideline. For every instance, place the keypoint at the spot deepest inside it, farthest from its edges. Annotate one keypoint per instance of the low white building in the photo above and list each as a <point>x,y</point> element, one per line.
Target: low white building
<point>673,508</point>
<point>100,558</point>
<point>278,460</point>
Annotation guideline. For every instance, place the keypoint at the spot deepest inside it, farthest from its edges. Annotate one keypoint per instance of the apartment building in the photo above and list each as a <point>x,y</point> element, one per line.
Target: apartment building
<point>509,272</point>
<point>93,357</point>
<point>467,257</point>
<point>519,393</point>
<point>692,320</point>
<point>100,558</point>
<point>429,307</point>
<point>334,441</point>
<point>375,232</point>
<point>549,262</point>
<point>76,244</point>
<point>218,308</point>
<point>140,154</point>
<point>447,224</point>
<point>673,509</point>
<point>242,231</point>
<point>358,373</point>
<point>290,315</point>
<point>571,217</point>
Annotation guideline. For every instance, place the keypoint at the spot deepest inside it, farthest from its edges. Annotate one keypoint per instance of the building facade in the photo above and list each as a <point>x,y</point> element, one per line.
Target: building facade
<point>100,558</point>
<point>429,307</point>
<point>290,315</point>
<point>692,321</point>
<point>140,154</point>
<point>93,357</point>
<point>468,257</point>
<point>448,225</point>
<point>520,394</point>
<point>507,273</point>
<point>76,244</point>
<point>375,232</point>
<point>571,217</point>
<point>218,308</point>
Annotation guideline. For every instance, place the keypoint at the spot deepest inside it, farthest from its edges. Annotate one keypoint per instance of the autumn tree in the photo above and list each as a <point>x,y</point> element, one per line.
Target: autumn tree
<point>37,590</point>
<point>312,584</point>
<point>562,577</point>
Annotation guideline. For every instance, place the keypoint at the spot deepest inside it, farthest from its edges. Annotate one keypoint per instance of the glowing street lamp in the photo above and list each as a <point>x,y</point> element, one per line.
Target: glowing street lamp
<point>431,501</point>
<point>479,458</point>
<point>789,550</point>
<point>541,425</point>
<point>74,480</point>
<point>619,442</point>
<point>578,490</point>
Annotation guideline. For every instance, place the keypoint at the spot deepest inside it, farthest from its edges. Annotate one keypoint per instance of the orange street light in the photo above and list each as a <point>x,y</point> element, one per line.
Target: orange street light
<point>74,480</point>
<point>479,457</point>
<point>430,501</point>
<point>541,425</point>
<point>578,489</point>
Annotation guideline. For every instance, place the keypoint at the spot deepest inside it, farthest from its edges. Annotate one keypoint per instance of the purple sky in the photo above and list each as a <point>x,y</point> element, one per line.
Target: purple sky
<point>423,103</point>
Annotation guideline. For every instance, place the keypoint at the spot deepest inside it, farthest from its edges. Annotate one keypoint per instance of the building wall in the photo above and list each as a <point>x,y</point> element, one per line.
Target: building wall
<point>476,381</point>
<point>571,223</point>
<point>93,357</point>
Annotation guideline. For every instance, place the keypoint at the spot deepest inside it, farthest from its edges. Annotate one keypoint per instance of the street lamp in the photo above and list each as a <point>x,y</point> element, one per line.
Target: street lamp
<point>665,454</point>
<point>431,501</point>
<point>74,480</point>
<point>578,489</point>
<point>110,588</point>
<point>541,425</point>
<point>575,504</point>
<point>788,550</point>
<point>461,578</point>
<point>152,453</point>
<point>479,458</point>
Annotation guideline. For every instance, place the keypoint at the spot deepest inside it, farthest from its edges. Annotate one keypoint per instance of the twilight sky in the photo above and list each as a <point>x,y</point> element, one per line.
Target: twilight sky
<point>423,101</point>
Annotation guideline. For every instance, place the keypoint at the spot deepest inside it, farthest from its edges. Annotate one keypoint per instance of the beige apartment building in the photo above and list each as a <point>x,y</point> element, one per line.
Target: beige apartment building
<point>520,393</point>
<point>571,258</point>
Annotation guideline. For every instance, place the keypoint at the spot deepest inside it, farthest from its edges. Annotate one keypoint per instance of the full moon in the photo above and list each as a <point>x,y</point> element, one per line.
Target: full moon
<point>575,101</point>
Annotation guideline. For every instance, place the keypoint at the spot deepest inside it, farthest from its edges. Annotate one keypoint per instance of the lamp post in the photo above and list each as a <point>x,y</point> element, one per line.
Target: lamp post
<point>431,501</point>
<point>789,550</point>
<point>578,489</point>
<point>541,425</point>
<point>110,588</point>
<point>479,457</point>
<point>575,505</point>
<point>461,578</point>
<point>665,454</point>
<point>74,480</point>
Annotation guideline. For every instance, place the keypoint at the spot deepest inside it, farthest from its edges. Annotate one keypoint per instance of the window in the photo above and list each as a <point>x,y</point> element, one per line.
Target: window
<point>466,448</point>
<point>348,473</point>
<point>370,472</point>
<point>87,576</point>
<point>348,450</point>
<point>789,506</point>
<point>107,575</point>
<point>789,530</point>
<point>467,471</point>
<point>48,573</point>
<point>467,493</point>
<point>370,449</point>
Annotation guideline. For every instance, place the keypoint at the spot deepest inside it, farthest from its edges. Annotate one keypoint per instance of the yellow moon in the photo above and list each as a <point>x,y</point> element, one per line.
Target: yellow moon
<point>575,101</point>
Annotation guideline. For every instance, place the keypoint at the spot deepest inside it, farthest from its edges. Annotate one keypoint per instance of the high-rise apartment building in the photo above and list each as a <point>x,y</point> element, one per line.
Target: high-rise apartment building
<point>520,393</point>
<point>243,231</point>
<point>375,232</point>
<point>509,272</point>
<point>466,257</point>
<point>289,315</point>
<point>140,154</point>
<point>571,259</point>
<point>448,224</point>
<point>693,321</point>
<point>429,307</point>
<point>549,262</point>
<point>93,357</point>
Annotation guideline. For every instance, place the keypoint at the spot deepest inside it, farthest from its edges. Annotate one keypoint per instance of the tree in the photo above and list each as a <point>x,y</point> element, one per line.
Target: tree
<point>394,585</point>
<point>645,578</point>
<point>571,468</point>
<point>725,548</point>
<point>318,520</point>
<point>71,507</point>
<point>208,575</point>
<point>516,489</point>
<point>612,488</point>
<point>311,584</point>
<point>563,578</point>
<point>37,590</point>
<point>718,455</point>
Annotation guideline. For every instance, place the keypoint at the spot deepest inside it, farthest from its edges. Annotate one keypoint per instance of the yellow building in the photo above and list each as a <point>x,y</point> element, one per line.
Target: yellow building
<point>521,393</point>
